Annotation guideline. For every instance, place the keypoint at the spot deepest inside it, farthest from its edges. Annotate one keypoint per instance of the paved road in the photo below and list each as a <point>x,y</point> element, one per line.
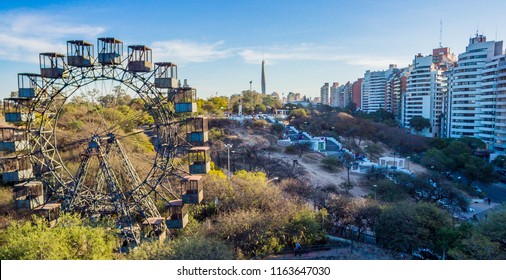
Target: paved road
<point>497,191</point>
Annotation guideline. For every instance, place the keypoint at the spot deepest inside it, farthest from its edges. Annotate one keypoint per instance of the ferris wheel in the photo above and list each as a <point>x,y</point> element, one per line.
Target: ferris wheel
<point>90,171</point>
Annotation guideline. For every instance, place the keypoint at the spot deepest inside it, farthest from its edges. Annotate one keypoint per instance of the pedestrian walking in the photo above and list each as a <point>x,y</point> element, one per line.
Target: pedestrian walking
<point>488,201</point>
<point>298,249</point>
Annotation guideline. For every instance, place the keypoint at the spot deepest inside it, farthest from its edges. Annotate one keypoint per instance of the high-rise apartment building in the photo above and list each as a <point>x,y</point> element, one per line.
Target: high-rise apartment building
<point>394,92</point>
<point>426,90</point>
<point>340,95</point>
<point>356,93</point>
<point>325,94</point>
<point>334,92</point>
<point>500,116</point>
<point>487,102</point>
<point>373,88</point>
<point>345,95</point>
<point>471,103</point>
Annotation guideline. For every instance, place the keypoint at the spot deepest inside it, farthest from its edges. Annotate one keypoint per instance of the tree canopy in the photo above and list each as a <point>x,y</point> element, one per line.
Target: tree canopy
<point>70,239</point>
<point>405,227</point>
<point>419,123</point>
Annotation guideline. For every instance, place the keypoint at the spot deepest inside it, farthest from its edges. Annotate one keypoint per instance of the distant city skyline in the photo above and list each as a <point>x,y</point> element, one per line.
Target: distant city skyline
<point>219,45</point>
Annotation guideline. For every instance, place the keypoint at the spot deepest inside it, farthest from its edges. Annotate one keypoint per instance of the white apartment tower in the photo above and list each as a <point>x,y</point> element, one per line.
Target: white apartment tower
<point>325,94</point>
<point>334,95</point>
<point>426,89</point>
<point>345,95</point>
<point>471,99</point>
<point>374,88</point>
<point>340,95</point>
<point>500,116</point>
<point>487,102</point>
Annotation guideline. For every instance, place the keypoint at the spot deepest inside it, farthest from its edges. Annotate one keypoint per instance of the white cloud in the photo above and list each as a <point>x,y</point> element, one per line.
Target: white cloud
<point>311,52</point>
<point>52,26</point>
<point>187,51</point>
<point>24,35</point>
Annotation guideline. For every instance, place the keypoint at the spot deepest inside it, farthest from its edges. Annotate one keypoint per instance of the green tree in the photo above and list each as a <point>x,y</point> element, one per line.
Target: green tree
<point>298,113</point>
<point>388,191</point>
<point>438,159</point>
<point>439,143</point>
<point>494,226</point>
<point>446,239</point>
<point>419,123</point>
<point>195,247</point>
<point>256,234</point>
<point>200,248</point>
<point>476,169</point>
<point>268,220</point>
<point>404,226</point>
<point>459,152</point>
<point>374,150</point>
<point>500,161</point>
<point>477,247</point>
<point>484,240</point>
<point>70,239</point>
<point>306,226</point>
<point>365,215</point>
<point>473,143</point>
<point>302,147</point>
<point>271,102</point>
<point>277,128</point>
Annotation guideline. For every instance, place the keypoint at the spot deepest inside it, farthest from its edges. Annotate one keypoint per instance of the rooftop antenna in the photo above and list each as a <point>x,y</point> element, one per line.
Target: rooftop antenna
<point>440,33</point>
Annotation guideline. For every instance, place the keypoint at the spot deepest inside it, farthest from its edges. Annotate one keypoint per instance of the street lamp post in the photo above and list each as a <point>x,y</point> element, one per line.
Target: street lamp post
<point>375,186</point>
<point>233,160</point>
<point>407,158</point>
<point>228,159</point>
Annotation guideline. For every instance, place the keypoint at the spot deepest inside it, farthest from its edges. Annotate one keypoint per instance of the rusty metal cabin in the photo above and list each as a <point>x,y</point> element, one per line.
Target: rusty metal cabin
<point>185,100</point>
<point>28,85</point>
<point>52,65</point>
<point>197,131</point>
<point>28,194</point>
<point>166,75</point>
<point>140,58</point>
<point>13,139</point>
<point>200,160</point>
<point>192,191</point>
<point>16,169</point>
<point>80,53</point>
<point>177,214</point>
<point>110,51</point>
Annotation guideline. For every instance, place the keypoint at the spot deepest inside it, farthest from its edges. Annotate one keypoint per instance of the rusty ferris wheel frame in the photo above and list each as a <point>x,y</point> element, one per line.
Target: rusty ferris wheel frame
<point>129,204</point>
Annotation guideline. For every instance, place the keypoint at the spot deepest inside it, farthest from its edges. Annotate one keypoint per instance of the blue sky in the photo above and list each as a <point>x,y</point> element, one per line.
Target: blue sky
<point>219,45</point>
